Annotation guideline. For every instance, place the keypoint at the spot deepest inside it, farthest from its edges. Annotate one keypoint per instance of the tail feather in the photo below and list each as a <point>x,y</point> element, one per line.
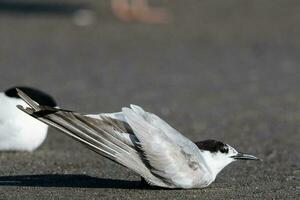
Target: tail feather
<point>70,130</point>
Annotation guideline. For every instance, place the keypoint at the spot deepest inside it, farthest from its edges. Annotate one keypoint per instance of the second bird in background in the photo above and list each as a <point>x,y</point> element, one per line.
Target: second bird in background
<point>18,131</point>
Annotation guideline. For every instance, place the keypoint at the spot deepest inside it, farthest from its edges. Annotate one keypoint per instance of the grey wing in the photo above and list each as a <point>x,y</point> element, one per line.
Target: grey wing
<point>175,136</point>
<point>155,121</point>
<point>179,166</point>
<point>105,136</point>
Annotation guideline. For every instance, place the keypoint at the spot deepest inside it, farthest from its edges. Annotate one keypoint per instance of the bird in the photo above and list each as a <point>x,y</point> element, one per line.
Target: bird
<point>18,131</point>
<point>142,142</point>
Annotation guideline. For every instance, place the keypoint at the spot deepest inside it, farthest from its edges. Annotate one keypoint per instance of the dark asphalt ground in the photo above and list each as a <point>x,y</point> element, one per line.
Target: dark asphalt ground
<point>227,70</point>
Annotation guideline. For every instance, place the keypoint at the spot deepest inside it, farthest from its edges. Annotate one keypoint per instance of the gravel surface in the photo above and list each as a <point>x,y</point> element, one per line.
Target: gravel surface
<point>227,70</point>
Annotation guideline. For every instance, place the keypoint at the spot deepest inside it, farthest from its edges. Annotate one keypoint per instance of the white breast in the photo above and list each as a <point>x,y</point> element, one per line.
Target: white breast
<point>19,131</point>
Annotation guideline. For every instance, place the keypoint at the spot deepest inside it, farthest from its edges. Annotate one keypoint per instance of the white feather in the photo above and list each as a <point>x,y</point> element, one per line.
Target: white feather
<point>18,131</point>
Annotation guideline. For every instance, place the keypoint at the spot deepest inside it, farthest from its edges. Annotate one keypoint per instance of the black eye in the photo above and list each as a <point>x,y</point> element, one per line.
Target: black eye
<point>224,149</point>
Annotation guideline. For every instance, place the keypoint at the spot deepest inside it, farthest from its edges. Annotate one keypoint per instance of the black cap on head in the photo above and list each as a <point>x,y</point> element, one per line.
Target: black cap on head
<point>212,146</point>
<point>40,97</point>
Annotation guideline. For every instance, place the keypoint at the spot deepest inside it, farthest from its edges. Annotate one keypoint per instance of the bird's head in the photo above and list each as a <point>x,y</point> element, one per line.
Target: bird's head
<point>39,96</point>
<point>218,155</point>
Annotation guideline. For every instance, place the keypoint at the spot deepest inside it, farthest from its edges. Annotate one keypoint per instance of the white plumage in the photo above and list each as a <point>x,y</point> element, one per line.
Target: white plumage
<point>18,131</point>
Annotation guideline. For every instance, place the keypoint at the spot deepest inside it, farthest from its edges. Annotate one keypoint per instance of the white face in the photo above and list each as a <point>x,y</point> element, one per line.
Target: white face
<point>231,152</point>
<point>218,160</point>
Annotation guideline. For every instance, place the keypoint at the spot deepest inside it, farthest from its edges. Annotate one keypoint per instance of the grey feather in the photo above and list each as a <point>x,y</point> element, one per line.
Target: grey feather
<point>105,136</point>
<point>177,165</point>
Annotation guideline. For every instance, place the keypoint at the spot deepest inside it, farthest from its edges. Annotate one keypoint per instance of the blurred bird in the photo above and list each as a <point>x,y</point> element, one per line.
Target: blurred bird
<point>144,143</point>
<point>19,131</point>
<point>139,10</point>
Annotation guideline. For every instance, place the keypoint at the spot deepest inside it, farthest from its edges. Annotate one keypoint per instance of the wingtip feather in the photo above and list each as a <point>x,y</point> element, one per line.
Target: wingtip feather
<point>29,111</point>
<point>137,108</point>
<point>28,100</point>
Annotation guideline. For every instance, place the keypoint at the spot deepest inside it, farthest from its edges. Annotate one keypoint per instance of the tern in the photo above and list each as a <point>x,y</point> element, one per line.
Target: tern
<point>18,131</point>
<point>142,142</point>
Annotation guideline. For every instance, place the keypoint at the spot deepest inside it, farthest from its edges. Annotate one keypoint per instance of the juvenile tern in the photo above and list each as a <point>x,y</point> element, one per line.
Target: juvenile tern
<point>19,131</point>
<point>142,142</point>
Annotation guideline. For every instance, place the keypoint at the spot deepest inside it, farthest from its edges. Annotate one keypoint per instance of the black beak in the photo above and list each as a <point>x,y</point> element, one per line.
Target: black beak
<point>243,156</point>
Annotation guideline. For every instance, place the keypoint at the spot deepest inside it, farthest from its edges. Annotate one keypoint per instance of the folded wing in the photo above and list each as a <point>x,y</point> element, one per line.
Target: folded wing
<point>170,158</point>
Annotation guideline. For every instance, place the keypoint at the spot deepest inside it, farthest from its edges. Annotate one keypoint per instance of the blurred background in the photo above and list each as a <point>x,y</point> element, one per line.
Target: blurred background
<point>227,70</point>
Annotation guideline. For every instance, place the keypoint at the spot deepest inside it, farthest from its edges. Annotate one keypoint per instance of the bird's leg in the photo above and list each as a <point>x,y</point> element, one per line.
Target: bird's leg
<point>121,9</point>
<point>143,12</point>
<point>139,10</point>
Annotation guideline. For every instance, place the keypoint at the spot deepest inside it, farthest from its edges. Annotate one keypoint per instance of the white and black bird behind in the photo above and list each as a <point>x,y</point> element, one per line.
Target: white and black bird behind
<point>142,142</point>
<point>18,131</point>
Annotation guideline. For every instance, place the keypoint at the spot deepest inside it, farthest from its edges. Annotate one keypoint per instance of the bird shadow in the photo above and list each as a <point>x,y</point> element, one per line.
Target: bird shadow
<point>68,180</point>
